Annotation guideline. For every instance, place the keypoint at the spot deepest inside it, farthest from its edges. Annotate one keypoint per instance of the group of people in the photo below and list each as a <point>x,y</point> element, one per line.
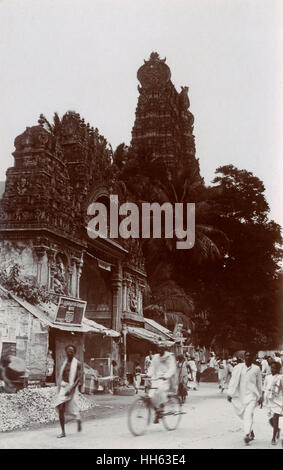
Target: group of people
<point>167,373</point>
<point>187,370</point>
<point>250,382</point>
<point>224,368</point>
<point>250,386</point>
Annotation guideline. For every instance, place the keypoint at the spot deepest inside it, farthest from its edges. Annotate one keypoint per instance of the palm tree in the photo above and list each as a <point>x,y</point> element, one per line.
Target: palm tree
<point>152,180</point>
<point>54,128</point>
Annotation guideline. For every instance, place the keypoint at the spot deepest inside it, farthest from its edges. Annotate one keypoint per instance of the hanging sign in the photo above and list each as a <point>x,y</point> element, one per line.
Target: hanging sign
<point>70,311</point>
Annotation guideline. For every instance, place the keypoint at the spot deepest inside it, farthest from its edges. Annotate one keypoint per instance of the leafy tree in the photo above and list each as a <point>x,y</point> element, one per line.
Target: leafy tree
<point>243,293</point>
<point>242,196</point>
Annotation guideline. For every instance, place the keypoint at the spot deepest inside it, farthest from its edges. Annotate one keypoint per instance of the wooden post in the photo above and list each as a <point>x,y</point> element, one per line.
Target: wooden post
<point>124,331</point>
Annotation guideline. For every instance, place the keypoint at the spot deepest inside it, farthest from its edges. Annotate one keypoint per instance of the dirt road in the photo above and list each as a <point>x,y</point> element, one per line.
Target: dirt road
<point>209,423</point>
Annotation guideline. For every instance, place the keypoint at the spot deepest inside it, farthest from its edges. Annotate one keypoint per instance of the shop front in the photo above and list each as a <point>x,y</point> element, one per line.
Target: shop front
<point>39,335</point>
<point>138,342</point>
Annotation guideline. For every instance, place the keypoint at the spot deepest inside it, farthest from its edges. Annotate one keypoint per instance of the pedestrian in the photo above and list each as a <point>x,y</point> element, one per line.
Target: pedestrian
<point>197,355</point>
<point>277,358</point>
<point>230,367</point>
<point>258,362</point>
<point>212,361</point>
<point>114,374</point>
<point>183,377</point>
<point>192,369</point>
<point>273,398</point>
<point>246,383</point>
<point>198,374</point>
<point>147,361</point>
<point>68,381</point>
<point>222,373</point>
<point>137,376</point>
<point>12,374</point>
<point>265,366</point>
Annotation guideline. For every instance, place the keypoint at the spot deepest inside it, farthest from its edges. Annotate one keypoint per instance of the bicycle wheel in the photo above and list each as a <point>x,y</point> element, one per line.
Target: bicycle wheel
<point>139,417</point>
<point>171,414</point>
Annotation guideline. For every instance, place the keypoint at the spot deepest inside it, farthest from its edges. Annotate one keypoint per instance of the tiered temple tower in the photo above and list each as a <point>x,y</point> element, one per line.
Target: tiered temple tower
<point>163,125</point>
<point>59,170</point>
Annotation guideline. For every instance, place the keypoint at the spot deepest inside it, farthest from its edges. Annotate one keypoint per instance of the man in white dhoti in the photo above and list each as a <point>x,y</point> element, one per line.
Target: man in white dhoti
<point>163,374</point>
<point>69,379</point>
<point>246,384</point>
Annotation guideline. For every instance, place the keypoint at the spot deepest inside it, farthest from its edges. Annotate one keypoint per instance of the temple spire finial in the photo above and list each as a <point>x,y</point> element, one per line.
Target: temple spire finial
<point>154,58</point>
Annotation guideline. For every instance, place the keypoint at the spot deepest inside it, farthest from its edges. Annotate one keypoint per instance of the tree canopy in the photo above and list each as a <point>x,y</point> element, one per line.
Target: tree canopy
<point>230,281</point>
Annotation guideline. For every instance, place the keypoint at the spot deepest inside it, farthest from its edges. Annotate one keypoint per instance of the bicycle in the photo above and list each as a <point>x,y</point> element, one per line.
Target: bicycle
<point>141,411</point>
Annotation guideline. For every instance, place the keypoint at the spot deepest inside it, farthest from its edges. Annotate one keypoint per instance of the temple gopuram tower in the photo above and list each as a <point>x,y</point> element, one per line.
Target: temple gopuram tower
<point>163,126</point>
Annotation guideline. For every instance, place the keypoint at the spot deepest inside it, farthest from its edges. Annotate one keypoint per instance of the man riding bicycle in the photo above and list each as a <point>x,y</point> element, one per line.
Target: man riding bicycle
<point>162,372</point>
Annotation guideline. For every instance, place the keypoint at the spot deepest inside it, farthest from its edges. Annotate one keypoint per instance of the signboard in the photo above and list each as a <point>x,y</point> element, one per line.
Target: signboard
<point>70,311</point>
<point>34,384</point>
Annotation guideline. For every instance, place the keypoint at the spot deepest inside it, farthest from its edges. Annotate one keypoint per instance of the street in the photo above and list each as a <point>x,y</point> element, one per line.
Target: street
<point>209,423</point>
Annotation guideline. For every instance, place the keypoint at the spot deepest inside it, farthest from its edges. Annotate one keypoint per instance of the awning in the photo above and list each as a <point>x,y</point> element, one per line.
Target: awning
<point>100,328</point>
<point>159,328</point>
<point>146,335</point>
<point>86,326</point>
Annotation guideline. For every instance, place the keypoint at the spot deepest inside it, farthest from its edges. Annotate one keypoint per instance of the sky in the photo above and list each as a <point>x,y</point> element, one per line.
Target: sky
<point>83,55</point>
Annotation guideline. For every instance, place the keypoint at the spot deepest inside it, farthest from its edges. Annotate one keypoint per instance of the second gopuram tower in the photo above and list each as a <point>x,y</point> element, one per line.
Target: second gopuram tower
<point>163,126</point>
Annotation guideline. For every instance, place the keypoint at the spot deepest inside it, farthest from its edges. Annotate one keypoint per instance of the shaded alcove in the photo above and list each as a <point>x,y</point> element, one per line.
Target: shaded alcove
<point>96,289</point>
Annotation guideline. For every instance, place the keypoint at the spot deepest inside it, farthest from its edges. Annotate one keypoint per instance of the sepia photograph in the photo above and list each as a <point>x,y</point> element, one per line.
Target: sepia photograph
<point>141,214</point>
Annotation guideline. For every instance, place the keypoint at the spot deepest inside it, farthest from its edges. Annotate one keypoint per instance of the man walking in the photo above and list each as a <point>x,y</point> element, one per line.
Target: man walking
<point>192,368</point>
<point>69,379</point>
<point>265,367</point>
<point>246,383</point>
<point>222,373</point>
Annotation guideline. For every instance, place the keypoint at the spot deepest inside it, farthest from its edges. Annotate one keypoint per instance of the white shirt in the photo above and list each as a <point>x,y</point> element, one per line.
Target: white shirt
<point>147,362</point>
<point>273,391</point>
<point>247,381</point>
<point>265,367</point>
<point>192,365</point>
<point>162,366</point>
<point>267,383</point>
<point>212,362</point>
